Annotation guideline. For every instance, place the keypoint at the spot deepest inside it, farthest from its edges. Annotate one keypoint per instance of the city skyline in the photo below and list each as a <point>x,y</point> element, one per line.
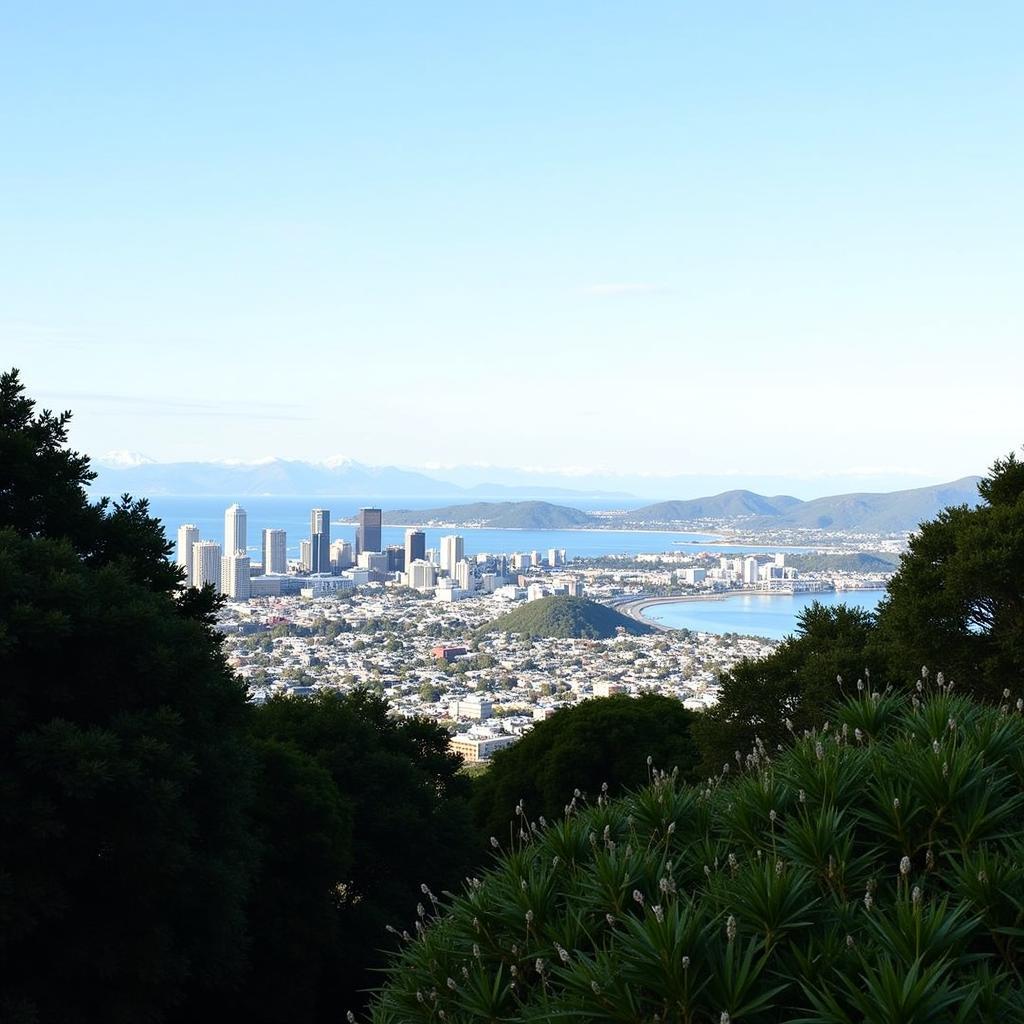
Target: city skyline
<point>658,239</point>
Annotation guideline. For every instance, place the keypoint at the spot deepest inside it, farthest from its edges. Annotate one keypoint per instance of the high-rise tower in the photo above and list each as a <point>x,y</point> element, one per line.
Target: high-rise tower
<point>415,546</point>
<point>320,540</point>
<point>206,563</point>
<point>275,551</point>
<point>368,530</point>
<point>451,553</point>
<point>188,534</point>
<point>234,530</point>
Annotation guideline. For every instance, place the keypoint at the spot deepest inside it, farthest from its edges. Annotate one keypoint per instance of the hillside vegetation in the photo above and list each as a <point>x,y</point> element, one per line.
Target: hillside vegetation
<point>871,872</point>
<point>563,616</point>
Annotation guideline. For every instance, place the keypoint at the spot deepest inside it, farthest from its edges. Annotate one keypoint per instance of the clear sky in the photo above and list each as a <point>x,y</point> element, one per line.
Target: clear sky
<point>686,237</point>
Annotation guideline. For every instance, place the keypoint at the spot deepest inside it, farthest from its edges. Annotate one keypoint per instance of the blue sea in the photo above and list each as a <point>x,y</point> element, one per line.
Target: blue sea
<point>292,515</point>
<point>770,615</point>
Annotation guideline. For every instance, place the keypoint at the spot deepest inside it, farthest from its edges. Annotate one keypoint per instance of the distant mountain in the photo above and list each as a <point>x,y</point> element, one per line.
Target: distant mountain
<point>728,505</point>
<point>121,471</point>
<point>880,513</point>
<point>891,512</point>
<point>563,616</point>
<point>501,515</point>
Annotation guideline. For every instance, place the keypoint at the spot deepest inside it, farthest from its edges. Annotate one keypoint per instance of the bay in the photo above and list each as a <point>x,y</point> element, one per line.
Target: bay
<point>292,515</point>
<point>769,615</point>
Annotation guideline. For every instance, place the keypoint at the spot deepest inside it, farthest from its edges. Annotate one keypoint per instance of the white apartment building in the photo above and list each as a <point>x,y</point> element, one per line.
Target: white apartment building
<point>422,575</point>
<point>234,577</point>
<point>749,570</point>
<point>188,534</point>
<point>464,575</point>
<point>275,551</point>
<point>475,749</point>
<point>206,563</point>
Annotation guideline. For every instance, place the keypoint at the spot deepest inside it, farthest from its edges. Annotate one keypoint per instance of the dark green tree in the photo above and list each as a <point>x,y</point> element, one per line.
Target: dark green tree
<point>957,602</point>
<point>794,684</point>
<point>357,809</point>
<point>124,768</point>
<point>605,740</point>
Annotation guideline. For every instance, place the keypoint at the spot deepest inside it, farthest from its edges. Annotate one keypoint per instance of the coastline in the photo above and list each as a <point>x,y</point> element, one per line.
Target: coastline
<point>634,609</point>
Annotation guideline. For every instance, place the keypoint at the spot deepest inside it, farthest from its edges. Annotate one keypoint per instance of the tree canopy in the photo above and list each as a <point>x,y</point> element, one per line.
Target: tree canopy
<point>602,741</point>
<point>124,850</point>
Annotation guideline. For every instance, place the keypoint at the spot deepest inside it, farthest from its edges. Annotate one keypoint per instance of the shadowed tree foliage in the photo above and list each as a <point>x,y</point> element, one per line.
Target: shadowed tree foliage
<point>124,767</point>
<point>357,809</point>
<point>957,601</point>
<point>796,683</point>
<point>606,740</point>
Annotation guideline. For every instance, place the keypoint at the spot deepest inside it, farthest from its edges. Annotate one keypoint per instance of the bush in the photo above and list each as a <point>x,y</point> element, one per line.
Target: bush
<point>870,872</point>
<point>601,742</point>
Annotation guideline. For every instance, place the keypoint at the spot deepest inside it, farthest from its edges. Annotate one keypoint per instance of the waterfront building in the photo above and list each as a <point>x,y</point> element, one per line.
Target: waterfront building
<point>188,534</point>
<point>206,556</point>
<point>275,551</point>
<point>235,529</point>
<point>320,540</point>
<point>368,530</point>
<point>750,570</point>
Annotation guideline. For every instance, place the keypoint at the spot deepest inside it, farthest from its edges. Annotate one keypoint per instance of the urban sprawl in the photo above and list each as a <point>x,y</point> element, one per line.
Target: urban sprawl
<point>405,621</point>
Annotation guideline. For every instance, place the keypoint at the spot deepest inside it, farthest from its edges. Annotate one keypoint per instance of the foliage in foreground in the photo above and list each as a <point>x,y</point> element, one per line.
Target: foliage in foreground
<point>595,744</point>
<point>872,871</point>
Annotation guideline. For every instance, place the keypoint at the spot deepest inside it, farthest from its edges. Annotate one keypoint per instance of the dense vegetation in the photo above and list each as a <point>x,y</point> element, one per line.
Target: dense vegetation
<point>168,851</point>
<point>562,616</point>
<point>873,871</point>
<point>597,746</point>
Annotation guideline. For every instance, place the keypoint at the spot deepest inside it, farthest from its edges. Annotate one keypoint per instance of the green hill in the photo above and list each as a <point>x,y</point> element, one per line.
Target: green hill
<point>562,616</point>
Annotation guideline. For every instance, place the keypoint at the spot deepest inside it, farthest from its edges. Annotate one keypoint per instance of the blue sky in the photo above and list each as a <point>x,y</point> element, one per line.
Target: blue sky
<point>643,237</point>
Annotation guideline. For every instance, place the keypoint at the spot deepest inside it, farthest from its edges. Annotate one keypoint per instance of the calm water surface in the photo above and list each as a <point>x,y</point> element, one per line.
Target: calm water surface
<point>770,615</point>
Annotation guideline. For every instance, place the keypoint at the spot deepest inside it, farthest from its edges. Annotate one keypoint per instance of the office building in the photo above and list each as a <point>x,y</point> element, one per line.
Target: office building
<point>368,530</point>
<point>464,575</point>
<point>275,551</point>
<point>415,546</point>
<point>306,555</point>
<point>234,577</point>
<point>188,534</point>
<point>206,563</point>
<point>451,553</point>
<point>235,530</point>
<point>396,557</point>
<point>320,540</point>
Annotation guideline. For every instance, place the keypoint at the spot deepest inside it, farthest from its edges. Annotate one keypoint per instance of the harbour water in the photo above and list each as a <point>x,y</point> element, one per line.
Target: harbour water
<point>292,515</point>
<point>769,615</point>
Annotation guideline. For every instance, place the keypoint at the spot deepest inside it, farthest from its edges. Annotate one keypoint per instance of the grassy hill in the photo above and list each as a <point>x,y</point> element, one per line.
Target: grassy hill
<point>563,616</point>
<point>498,515</point>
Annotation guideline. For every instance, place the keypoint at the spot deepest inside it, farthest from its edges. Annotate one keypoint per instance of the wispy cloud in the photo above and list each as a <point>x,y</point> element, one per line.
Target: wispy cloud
<point>616,289</point>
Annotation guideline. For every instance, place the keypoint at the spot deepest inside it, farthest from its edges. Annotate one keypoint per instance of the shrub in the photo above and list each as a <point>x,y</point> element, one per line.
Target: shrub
<point>871,871</point>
